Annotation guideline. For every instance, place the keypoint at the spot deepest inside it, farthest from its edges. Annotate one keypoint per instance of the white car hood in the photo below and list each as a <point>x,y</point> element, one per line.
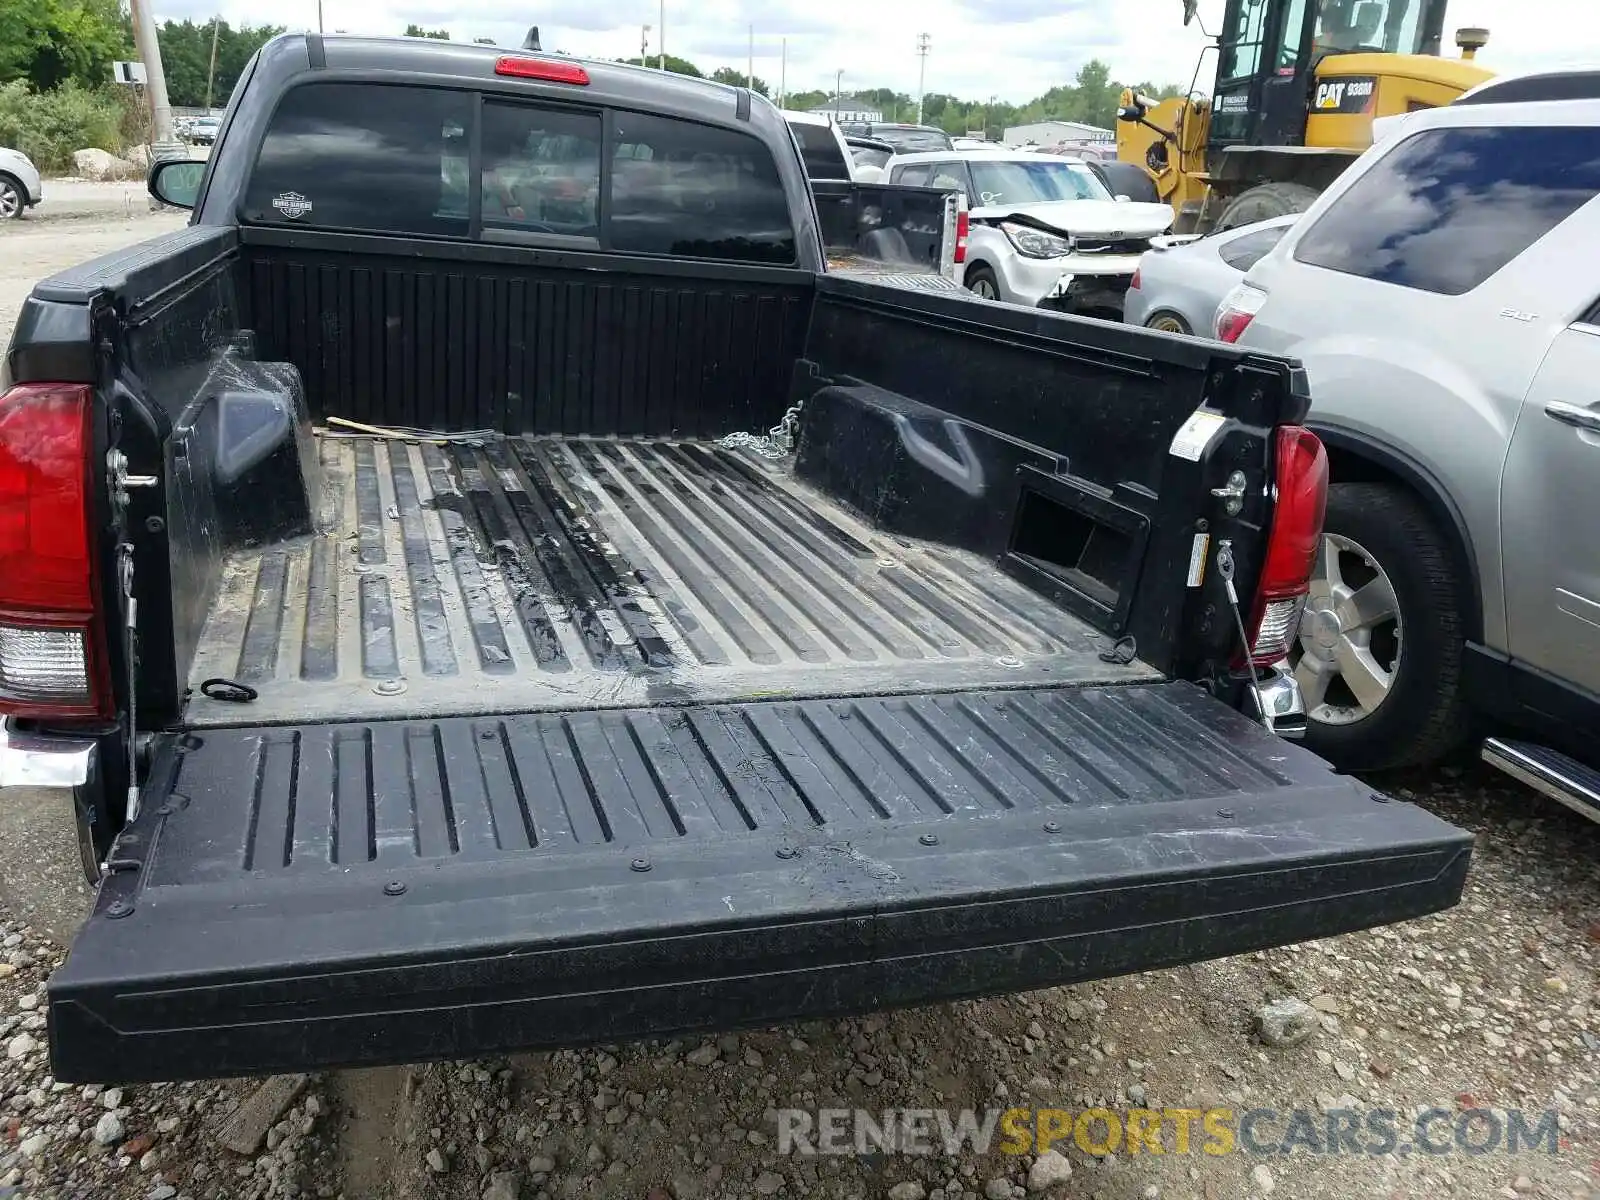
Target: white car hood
<point>1094,217</point>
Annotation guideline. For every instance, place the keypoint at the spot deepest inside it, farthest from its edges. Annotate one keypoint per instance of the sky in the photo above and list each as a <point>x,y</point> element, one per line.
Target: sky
<point>1011,49</point>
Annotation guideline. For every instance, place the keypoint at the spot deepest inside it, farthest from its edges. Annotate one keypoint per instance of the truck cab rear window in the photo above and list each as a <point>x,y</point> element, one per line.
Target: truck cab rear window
<point>395,159</point>
<point>373,157</point>
<point>541,169</point>
<point>697,191</point>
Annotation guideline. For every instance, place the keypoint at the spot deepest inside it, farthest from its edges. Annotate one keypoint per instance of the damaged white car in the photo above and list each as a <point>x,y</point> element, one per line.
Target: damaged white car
<point>1045,231</point>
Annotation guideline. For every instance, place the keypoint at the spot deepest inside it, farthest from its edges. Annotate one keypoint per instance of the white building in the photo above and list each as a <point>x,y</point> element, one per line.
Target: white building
<point>849,110</point>
<point>1052,133</point>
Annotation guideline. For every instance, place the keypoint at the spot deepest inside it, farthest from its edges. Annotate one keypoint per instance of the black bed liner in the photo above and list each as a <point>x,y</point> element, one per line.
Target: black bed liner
<point>399,891</point>
<point>521,574</point>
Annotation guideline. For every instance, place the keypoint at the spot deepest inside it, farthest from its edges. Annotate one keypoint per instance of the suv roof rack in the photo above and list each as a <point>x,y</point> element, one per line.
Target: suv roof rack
<point>1544,85</point>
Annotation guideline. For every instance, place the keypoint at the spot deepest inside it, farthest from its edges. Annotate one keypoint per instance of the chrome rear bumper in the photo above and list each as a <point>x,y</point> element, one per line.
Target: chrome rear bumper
<point>44,760</point>
<point>50,792</point>
<point>1280,695</point>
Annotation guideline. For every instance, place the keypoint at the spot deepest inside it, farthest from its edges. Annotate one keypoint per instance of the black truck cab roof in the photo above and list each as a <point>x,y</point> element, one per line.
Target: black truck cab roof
<point>293,60</point>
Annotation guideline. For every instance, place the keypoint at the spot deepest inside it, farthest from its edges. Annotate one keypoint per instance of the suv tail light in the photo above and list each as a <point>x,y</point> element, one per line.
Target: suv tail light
<point>1133,284</point>
<point>52,661</point>
<point>963,231</point>
<point>1302,485</point>
<point>1237,310</point>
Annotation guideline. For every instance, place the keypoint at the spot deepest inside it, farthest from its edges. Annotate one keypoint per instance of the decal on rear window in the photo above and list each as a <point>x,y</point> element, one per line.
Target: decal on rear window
<point>292,205</point>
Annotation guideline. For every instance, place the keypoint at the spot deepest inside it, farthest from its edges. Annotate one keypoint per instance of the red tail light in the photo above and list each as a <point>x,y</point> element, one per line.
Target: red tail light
<point>963,229</point>
<point>1302,484</point>
<point>541,68</point>
<point>52,661</point>
<point>1237,310</point>
<point>1133,284</point>
<point>1231,325</point>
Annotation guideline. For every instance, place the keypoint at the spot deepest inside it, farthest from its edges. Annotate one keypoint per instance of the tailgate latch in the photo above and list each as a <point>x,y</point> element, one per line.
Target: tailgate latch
<point>120,481</point>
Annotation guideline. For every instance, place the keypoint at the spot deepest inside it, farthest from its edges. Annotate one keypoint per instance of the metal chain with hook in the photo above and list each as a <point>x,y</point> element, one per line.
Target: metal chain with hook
<point>777,443</point>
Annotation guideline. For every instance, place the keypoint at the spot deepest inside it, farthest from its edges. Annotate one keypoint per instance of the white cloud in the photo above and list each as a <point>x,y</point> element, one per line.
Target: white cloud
<point>1013,49</point>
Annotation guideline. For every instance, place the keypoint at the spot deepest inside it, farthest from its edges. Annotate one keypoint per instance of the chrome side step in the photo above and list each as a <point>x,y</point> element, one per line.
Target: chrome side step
<point>1548,771</point>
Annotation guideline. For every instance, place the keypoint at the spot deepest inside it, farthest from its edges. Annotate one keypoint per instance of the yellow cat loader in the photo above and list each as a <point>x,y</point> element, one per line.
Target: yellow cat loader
<point>1299,83</point>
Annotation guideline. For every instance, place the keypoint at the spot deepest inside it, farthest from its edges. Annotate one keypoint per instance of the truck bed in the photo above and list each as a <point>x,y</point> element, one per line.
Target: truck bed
<point>539,574</point>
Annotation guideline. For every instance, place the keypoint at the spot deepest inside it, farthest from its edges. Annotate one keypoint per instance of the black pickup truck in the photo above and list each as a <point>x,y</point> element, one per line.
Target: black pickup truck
<point>486,584</point>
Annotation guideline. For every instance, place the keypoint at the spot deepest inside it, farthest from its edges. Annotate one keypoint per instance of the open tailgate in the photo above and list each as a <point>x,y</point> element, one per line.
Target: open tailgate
<point>344,894</point>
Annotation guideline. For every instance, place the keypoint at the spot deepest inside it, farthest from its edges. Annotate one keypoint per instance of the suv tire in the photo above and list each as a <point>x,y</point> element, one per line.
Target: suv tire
<point>1376,531</point>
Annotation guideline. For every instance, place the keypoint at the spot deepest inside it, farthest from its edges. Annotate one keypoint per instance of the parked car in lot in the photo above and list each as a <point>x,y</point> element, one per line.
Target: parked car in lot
<point>203,130</point>
<point>631,718</point>
<point>868,156</point>
<point>20,188</point>
<point>1182,278</point>
<point>822,146</point>
<point>908,139</point>
<point>1045,231</point>
<point>1444,296</point>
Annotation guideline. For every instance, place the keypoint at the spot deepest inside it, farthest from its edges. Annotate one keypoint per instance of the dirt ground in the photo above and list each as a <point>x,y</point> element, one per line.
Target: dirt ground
<point>1482,1018</point>
<point>94,219</point>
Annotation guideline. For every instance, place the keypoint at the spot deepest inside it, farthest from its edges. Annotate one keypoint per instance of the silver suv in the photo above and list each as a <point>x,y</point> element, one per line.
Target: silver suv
<point>1444,296</point>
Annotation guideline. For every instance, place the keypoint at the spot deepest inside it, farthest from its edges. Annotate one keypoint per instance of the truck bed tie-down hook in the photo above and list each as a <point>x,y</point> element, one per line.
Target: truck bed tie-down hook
<point>229,690</point>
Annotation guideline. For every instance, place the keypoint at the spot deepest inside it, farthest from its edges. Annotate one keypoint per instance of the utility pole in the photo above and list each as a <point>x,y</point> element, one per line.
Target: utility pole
<point>838,94</point>
<point>783,75</point>
<point>211,72</point>
<point>924,44</point>
<point>319,18</point>
<point>149,49</point>
<point>644,45</point>
<point>750,64</point>
<point>661,39</point>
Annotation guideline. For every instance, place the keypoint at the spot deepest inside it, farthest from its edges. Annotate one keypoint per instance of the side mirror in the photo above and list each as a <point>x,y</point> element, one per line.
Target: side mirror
<point>1190,9</point>
<point>176,181</point>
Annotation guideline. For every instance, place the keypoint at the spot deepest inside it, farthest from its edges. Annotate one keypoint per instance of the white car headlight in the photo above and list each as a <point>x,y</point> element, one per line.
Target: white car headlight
<point>1035,243</point>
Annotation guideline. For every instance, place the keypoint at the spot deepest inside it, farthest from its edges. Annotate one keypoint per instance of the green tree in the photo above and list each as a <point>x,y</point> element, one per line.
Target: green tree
<point>739,79</point>
<point>438,35</point>
<point>806,101</point>
<point>678,66</point>
<point>186,54</point>
<point>49,42</point>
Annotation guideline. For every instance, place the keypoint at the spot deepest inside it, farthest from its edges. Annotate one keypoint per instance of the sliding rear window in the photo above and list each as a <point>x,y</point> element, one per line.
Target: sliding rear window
<point>392,159</point>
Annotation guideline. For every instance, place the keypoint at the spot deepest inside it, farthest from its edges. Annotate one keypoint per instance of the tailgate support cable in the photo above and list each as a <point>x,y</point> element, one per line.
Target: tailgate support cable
<point>119,481</point>
<point>130,606</point>
<point>1225,569</point>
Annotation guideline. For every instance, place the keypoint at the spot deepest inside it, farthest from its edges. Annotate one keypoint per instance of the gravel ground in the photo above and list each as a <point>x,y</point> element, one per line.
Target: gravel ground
<point>1489,1006</point>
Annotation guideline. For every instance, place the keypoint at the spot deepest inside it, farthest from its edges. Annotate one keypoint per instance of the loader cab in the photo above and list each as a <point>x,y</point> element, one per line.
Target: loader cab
<point>1269,51</point>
